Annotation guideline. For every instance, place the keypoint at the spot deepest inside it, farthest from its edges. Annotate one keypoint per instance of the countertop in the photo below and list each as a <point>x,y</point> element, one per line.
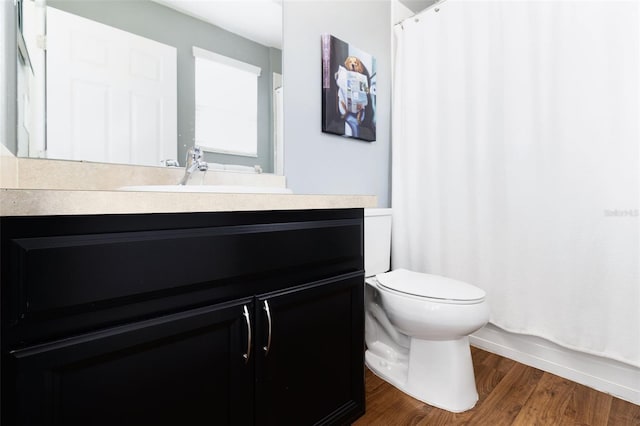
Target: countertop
<point>45,202</point>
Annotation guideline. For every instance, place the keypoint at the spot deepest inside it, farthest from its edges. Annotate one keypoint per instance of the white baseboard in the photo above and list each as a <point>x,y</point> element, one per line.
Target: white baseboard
<point>605,375</point>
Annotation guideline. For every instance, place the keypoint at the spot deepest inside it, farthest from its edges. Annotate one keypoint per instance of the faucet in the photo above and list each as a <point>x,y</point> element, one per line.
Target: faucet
<point>194,161</point>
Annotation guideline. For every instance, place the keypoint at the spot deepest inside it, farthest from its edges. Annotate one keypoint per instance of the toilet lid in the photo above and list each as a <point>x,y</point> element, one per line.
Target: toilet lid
<point>428,285</point>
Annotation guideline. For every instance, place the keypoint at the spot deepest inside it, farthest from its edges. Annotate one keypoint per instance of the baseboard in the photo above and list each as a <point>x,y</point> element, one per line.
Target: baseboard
<point>609,376</point>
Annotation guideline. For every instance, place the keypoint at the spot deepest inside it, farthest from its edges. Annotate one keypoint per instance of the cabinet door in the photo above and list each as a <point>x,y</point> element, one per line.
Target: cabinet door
<point>313,371</point>
<point>181,369</point>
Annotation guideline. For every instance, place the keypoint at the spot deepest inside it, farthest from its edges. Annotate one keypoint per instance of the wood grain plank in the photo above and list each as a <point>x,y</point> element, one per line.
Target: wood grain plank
<point>588,407</point>
<point>499,363</point>
<point>478,356</point>
<point>624,413</point>
<point>386,404</point>
<point>487,379</point>
<point>504,403</point>
<point>548,402</point>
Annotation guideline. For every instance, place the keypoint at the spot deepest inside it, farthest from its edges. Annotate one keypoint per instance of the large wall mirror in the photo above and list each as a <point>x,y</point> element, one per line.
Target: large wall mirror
<point>141,81</point>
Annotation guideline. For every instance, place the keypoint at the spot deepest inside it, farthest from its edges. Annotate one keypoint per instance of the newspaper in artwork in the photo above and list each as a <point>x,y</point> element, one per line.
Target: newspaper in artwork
<point>353,91</point>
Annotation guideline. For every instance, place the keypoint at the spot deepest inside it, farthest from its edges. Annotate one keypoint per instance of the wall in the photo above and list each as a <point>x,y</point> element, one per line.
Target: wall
<point>8,76</point>
<point>167,26</point>
<point>321,163</point>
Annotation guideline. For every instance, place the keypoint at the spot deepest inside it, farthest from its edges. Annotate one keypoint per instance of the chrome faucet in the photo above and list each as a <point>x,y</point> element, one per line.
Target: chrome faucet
<point>194,161</point>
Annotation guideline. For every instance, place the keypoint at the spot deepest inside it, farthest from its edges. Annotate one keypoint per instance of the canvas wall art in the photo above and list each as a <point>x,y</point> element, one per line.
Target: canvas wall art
<point>348,90</point>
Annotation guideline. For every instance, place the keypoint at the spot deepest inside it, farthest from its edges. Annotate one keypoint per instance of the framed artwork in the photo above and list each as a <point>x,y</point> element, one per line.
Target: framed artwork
<point>348,90</point>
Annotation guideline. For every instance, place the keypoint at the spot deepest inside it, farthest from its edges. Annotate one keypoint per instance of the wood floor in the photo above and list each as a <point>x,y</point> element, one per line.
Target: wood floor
<point>510,394</point>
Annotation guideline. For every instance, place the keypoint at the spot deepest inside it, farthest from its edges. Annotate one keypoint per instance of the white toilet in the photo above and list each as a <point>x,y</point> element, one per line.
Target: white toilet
<point>417,325</point>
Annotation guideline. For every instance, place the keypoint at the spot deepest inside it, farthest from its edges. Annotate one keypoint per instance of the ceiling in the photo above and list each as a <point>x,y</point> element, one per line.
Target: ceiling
<point>257,20</point>
<point>418,5</point>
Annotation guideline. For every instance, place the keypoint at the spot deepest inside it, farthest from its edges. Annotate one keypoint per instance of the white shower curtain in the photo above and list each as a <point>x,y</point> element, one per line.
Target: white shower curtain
<point>516,163</point>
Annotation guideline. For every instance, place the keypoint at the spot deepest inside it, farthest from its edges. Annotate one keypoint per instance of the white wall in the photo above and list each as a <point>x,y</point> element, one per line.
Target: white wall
<point>321,163</point>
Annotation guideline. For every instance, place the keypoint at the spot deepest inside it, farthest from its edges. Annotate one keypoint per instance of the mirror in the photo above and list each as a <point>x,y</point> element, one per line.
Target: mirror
<point>228,29</point>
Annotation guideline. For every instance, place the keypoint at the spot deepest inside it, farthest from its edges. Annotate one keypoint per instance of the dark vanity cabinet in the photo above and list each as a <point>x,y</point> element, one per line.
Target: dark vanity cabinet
<point>181,319</point>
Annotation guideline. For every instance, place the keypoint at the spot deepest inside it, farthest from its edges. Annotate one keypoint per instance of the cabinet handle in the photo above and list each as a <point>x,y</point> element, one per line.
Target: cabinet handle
<point>248,320</point>
<point>266,309</point>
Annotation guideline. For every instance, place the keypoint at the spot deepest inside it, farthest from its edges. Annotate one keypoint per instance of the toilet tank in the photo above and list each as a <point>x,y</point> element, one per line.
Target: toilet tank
<point>377,241</point>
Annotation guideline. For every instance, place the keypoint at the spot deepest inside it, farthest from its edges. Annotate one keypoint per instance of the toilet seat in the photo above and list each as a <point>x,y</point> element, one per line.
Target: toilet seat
<point>429,286</point>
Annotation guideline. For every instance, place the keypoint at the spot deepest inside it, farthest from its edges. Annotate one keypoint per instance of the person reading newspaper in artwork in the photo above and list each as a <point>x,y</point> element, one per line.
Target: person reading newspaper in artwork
<point>353,93</point>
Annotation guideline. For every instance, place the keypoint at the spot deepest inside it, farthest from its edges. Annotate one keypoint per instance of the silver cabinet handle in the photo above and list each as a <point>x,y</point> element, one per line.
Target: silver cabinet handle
<point>248,320</point>
<point>266,309</point>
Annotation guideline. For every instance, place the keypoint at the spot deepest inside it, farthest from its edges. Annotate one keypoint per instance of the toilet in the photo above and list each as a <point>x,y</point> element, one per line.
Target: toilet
<point>417,325</point>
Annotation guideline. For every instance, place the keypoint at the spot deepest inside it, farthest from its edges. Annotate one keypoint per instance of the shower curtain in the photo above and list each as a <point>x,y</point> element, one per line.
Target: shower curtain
<point>516,163</point>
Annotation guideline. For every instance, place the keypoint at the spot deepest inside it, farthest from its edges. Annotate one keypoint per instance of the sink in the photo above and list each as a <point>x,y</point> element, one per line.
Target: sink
<point>219,189</point>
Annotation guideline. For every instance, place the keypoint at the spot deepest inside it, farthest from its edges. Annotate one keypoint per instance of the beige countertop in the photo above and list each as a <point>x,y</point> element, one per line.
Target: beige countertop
<point>43,202</point>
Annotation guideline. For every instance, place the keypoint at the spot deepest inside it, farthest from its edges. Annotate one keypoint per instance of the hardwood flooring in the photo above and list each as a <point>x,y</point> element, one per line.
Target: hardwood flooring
<point>510,394</point>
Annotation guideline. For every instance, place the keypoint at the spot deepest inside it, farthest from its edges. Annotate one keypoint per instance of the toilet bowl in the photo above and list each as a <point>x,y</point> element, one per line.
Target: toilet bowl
<point>417,325</point>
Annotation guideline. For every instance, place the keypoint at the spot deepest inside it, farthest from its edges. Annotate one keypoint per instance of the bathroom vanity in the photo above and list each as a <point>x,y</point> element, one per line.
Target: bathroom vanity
<point>243,317</point>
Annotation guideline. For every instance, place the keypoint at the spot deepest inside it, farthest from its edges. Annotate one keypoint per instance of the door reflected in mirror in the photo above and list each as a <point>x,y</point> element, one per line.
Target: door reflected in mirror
<point>121,80</point>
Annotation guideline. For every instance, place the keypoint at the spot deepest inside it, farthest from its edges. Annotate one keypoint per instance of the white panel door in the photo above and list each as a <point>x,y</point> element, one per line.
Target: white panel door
<point>111,95</point>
